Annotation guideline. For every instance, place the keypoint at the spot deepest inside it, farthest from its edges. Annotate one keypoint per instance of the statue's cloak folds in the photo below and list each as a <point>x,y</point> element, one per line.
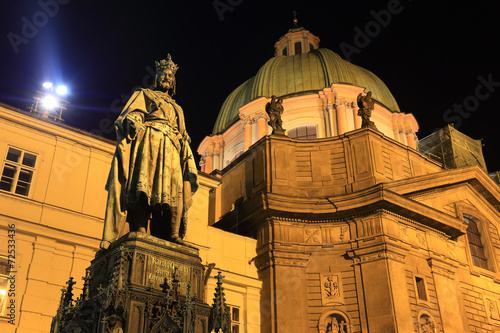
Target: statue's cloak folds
<point>162,147</point>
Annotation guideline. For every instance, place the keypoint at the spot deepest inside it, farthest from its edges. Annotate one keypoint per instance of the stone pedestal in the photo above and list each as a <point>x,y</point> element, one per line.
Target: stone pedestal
<point>278,131</point>
<point>148,261</point>
<point>142,284</point>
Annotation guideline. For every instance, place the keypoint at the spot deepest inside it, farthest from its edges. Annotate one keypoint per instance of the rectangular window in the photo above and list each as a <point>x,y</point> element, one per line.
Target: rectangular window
<point>476,247</point>
<point>304,132</point>
<point>421,292</point>
<point>235,319</point>
<point>17,173</point>
<point>298,48</point>
<point>4,285</point>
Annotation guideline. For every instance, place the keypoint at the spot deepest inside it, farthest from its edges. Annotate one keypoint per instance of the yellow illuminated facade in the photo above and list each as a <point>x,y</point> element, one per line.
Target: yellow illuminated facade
<point>332,228</point>
<point>52,192</point>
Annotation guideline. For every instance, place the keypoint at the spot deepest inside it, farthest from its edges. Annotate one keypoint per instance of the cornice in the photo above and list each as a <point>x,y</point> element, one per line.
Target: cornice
<point>54,128</point>
<point>369,200</point>
<point>436,182</point>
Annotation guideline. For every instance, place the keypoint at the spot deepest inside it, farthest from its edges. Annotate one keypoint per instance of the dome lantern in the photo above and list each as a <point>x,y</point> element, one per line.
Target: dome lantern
<point>296,41</point>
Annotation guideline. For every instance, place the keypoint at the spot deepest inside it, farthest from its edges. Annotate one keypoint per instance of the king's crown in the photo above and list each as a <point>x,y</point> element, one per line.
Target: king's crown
<point>166,64</point>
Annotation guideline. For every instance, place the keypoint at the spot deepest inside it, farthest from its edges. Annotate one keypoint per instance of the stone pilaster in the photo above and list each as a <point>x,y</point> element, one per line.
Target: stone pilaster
<point>381,273</point>
<point>247,125</point>
<point>341,119</point>
<point>357,119</point>
<point>447,292</point>
<point>283,305</point>
<point>261,126</point>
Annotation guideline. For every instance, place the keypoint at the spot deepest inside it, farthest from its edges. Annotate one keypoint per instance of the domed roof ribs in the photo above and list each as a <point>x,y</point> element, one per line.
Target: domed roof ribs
<point>286,75</point>
<point>239,96</point>
<point>324,67</point>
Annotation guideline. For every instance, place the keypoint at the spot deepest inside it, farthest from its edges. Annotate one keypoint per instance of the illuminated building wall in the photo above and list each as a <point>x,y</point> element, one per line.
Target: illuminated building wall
<point>52,193</point>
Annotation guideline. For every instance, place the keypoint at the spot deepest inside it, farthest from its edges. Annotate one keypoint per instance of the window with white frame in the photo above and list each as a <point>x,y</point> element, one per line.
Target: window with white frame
<point>17,172</point>
<point>4,285</point>
<point>235,319</point>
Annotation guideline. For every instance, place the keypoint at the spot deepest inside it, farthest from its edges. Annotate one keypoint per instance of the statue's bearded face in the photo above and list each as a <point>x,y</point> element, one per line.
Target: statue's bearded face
<point>165,80</point>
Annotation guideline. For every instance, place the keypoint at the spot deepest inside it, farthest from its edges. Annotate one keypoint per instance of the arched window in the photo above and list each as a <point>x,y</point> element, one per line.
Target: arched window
<point>477,252</point>
<point>304,132</point>
<point>285,51</point>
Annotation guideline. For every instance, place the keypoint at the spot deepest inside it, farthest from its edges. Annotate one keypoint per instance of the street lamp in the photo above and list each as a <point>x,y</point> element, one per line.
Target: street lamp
<point>62,90</point>
<point>47,85</point>
<point>49,104</point>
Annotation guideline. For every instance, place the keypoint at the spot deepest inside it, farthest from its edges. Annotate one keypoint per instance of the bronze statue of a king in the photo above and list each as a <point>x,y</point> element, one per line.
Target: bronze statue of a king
<point>153,173</point>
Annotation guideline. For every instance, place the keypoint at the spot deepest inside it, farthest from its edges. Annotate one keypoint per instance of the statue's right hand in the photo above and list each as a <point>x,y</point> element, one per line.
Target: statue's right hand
<point>132,129</point>
<point>133,124</point>
<point>131,133</point>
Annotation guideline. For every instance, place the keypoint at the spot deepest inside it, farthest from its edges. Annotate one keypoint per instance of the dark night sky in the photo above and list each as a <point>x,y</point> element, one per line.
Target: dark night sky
<point>431,55</point>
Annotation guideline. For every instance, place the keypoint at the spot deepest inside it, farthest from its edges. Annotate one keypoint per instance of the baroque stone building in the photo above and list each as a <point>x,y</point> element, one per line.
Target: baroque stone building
<point>357,231</point>
<point>332,228</point>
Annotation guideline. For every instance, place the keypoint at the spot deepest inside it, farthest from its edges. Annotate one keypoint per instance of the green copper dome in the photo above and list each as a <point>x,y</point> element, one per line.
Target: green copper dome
<point>313,71</point>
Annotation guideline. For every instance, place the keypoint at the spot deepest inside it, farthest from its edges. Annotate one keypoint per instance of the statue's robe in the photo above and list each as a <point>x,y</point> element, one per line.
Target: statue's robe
<point>154,163</point>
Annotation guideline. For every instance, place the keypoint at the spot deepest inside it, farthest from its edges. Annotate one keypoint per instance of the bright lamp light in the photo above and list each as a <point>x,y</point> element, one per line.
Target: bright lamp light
<point>49,102</point>
<point>47,85</point>
<point>62,90</point>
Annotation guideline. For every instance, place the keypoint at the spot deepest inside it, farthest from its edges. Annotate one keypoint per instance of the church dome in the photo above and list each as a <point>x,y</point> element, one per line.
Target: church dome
<point>301,74</point>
